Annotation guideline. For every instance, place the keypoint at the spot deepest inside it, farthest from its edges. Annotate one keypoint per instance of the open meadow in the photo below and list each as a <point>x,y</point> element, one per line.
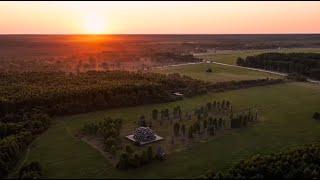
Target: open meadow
<point>219,73</point>
<point>230,56</point>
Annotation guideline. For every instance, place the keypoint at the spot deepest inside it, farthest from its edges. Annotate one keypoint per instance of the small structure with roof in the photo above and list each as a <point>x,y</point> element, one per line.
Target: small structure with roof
<point>144,135</point>
<point>178,94</point>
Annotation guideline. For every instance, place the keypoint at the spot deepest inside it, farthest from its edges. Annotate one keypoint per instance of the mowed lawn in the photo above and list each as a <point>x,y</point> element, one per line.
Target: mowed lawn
<point>285,121</point>
<point>219,72</point>
<point>230,56</point>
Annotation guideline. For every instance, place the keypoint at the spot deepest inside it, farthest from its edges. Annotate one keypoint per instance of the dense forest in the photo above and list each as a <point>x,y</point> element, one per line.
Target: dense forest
<point>60,93</point>
<point>305,64</point>
<point>168,57</point>
<point>301,162</point>
<point>231,85</point>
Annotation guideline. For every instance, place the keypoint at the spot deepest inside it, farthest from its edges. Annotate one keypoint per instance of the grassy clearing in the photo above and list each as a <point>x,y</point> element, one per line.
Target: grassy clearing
<point>286,121</point>
<point>230,56</point>
<point>220,72</point>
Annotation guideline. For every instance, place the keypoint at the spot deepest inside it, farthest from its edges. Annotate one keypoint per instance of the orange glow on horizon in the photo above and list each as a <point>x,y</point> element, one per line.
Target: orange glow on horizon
<point>159,17</point>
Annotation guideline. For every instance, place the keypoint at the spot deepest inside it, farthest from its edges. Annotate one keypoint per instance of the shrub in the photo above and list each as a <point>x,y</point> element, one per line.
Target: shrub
<point>33,170</point>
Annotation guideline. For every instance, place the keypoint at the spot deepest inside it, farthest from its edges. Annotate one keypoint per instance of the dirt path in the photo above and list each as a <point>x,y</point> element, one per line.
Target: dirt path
<point>254,69</point>
<point>231,65</point>
<point>177,65</point>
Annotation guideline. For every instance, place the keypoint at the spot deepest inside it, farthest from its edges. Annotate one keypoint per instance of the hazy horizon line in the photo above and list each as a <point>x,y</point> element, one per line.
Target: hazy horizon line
<point>317,33</point>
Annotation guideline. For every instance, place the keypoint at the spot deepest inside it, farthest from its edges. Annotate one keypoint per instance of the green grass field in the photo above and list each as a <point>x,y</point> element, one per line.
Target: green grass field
<point>230,57</point>
<point>286,112</point>
<point>220,72</point>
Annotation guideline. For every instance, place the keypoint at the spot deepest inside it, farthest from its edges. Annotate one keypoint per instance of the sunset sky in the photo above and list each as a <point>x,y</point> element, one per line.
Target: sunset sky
<point>159,17</point>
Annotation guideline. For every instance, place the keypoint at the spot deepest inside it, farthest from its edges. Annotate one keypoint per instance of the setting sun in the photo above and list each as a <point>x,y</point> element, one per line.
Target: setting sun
<point>94,24</point>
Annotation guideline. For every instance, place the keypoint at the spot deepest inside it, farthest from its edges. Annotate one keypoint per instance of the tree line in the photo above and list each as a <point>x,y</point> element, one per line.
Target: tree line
<point>298,163</point>
<point>305,64</point>
<point>232,85</point>
<point>170,57</point>
<point>17,130</point>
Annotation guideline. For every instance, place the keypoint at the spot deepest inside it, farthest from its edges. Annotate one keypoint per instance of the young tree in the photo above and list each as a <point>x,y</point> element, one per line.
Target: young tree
<point>167,115</point>
<point>202,110</point>
<point>155,114</point>
<point>316,116</point>
<point>162,115</point>
<point>160,153</point>
<point>205,124</point>
<point>212,130</point>
<point>150,154</point>
<point>199,114</point>
<point>220,123</point>
<point>196,127</point>
<point>190,132</point>
<point>209,105</point>
<point>123,161</point>
<point>144,157</point>
<point>109,142</point>
<point>172,140</point>
<point>176,129</point>
<point>175,112</point>
<point>142,121</point>
<point>179,113</point>
<point>228,104</point>
<point>183,129</point>
<point>214,105</point>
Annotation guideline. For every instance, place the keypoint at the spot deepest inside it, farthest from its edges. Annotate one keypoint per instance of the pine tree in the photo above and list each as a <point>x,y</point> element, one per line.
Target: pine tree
<point>190,132</point>
<point>183,130</point>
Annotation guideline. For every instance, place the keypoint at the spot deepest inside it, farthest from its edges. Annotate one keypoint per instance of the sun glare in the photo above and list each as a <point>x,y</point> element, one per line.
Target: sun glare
<point>95,25</point>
